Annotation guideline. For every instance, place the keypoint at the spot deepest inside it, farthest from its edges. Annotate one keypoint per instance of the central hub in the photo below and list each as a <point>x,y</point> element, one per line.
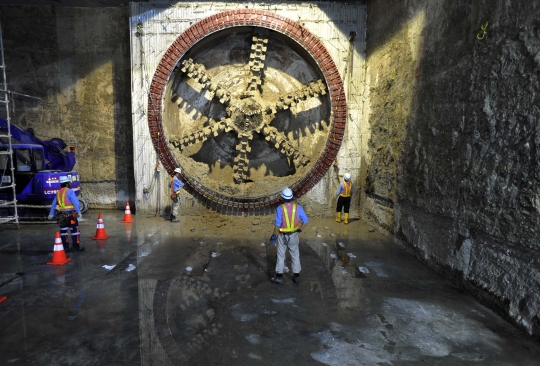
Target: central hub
<point>247,114</point>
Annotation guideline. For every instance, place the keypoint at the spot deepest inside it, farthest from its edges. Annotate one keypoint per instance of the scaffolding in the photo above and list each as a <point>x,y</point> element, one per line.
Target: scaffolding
<point>6,152</point>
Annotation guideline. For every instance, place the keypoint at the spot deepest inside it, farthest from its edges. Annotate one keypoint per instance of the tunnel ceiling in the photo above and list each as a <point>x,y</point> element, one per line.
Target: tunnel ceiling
<point>247,103</point>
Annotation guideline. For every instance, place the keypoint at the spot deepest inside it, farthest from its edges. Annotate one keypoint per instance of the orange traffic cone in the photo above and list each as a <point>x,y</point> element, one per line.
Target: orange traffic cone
<point>128,231</point>
<point>127,214</point>
<point>2,299</point>
<point>59,256</point>
<point>100,230</point>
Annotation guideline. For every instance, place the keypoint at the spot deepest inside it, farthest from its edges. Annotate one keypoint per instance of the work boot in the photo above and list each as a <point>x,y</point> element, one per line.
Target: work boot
<point>346,221</point>
<point>338,216</point>
<point>278,279</point>
<point>78,249</point>
<point>296,278</point>
<point>67,249</point>
<point>174,219</point>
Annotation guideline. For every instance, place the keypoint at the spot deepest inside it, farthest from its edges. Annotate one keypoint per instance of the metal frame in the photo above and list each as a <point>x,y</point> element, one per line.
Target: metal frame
<point>4,104</point>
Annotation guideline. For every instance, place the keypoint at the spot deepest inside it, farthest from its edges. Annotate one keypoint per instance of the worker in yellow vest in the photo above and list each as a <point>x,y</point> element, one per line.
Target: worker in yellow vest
<point>70,212</point>
<point>343,194</point>
<point>290,219</point>
<point>175,185</point>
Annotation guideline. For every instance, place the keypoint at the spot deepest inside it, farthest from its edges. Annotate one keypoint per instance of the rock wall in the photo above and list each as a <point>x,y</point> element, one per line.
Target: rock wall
<point>76,61</point>
<point>453,168</point>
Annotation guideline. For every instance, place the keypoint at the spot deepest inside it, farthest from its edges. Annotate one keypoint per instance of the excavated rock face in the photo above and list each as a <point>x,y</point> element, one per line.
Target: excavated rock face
<point>247,111</point>
<point>454,167</point>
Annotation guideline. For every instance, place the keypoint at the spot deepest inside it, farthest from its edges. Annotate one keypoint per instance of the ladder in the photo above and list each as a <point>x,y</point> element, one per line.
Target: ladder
<point>6,156</point>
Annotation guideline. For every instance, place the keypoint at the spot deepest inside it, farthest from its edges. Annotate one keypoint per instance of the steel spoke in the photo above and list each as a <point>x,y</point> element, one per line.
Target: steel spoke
<point>241,161</point>
<point>313,90</point>
<point>198,73</point>
<point>256,65</point>
<point>203,134</point>
<point>281,142</point>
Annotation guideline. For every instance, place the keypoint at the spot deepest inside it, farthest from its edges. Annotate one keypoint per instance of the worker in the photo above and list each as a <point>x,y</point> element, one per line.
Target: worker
<point>70,212</point>
<point>343,195</point>
<point>289,221</point>
<point>175,184</point>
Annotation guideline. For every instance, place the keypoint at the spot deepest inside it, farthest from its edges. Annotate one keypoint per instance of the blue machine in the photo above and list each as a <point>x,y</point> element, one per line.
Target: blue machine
<point>38,167</point>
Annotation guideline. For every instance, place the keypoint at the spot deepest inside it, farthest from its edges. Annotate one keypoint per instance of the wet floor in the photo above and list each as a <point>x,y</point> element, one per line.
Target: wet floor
<point>198,293</point>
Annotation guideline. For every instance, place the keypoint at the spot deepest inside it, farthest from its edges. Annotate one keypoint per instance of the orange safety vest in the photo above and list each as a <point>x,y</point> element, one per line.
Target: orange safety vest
<point>289,223</point>
<point>62,200</point>
<point>347,187</point>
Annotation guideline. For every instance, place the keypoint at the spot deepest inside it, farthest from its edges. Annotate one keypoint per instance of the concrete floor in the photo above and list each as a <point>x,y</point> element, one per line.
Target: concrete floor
<point>381,307</point>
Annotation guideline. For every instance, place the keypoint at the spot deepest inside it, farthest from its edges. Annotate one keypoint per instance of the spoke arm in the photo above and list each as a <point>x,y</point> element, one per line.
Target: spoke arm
<point>256,64</point>
<point>241,161</point>
<point>198,73</point>
<point>201,135</point>
<point>281,142</point>
<point>313,90</point>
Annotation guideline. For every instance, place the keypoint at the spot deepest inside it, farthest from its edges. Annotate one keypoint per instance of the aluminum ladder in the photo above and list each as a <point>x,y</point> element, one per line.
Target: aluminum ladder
<point>6,157</point>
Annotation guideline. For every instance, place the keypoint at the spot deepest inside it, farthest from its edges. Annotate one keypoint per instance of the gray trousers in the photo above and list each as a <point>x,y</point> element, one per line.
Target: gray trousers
<point>288,241</point>
<point>174,207</point>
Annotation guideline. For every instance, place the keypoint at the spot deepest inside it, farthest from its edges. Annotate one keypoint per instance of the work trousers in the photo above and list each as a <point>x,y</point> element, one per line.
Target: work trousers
<point>68,221</point>
<point>174,206</point>
<point>290,241</point>
<point>343,202</point>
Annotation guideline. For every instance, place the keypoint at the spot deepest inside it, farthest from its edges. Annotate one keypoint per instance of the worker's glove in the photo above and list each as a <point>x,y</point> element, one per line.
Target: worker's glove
<point>79,216</point>
<point>273,239</point>
<point>50,217</point>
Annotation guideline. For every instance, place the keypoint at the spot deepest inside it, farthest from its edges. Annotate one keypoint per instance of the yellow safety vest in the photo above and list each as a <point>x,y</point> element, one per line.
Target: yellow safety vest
<point>291,221</point>
<point>61,199</point>
<point>347,187</point>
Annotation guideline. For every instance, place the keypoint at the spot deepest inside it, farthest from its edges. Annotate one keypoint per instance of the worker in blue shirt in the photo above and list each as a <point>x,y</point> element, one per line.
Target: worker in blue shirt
<point>343,194</point>
<point>70,212</point>
<point>175,185</point>
<point>289,221</point>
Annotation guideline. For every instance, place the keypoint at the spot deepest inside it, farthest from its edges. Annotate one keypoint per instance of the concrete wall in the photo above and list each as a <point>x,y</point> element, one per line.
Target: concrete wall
<point>453,168</point>
<point>76,61</point>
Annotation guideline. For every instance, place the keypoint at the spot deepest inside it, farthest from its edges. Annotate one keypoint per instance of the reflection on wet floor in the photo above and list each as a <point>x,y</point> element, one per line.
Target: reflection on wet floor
<point>198,293</point>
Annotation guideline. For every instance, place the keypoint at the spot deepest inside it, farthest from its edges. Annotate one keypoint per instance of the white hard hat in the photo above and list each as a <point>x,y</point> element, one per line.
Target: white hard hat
<point>287,194</point>
<point>64,179</point>
<point>347,177</point>
<point>178,170</point>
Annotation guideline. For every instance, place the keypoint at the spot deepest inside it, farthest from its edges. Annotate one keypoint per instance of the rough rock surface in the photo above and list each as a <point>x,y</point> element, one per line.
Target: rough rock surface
<point>455,142</point>
<point>76,60</point>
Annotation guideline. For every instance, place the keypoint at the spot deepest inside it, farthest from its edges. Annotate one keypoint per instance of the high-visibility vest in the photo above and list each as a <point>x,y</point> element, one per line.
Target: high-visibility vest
<point>347,187</point>
<point>62,200</point>
<point>289,222</point>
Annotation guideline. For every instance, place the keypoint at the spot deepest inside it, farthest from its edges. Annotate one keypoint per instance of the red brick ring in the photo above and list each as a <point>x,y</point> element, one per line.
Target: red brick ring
<point>263,19</point>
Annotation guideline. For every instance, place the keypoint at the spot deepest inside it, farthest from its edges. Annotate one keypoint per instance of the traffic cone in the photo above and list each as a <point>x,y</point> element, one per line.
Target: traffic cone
<point>59,256</point>
<point>128,231</point>
<point>100,230</point>
<point>2,299</point>
<point>127,214</point>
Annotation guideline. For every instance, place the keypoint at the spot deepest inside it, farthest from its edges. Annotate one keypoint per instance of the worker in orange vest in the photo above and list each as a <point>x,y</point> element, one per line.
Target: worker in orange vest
<point>343,194</point>
<point>70,212</point>
<point>290,219</point>
<point>175,185</point>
